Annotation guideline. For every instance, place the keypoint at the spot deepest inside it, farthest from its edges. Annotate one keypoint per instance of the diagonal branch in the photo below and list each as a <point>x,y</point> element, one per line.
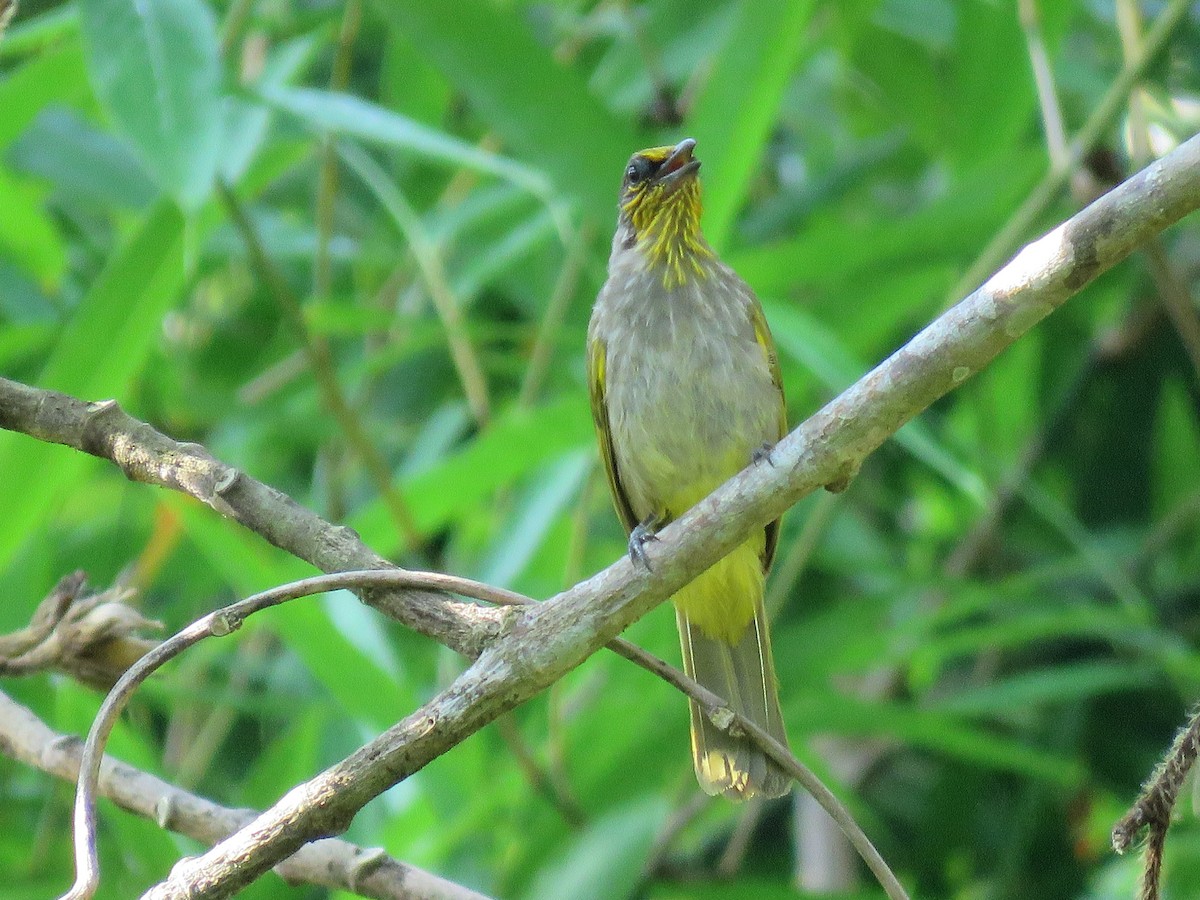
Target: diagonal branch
<point>146,455</point>
<point>544,642</point>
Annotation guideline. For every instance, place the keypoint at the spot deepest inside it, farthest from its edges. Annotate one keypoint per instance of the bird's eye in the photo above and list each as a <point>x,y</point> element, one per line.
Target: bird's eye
<point>639,169</point>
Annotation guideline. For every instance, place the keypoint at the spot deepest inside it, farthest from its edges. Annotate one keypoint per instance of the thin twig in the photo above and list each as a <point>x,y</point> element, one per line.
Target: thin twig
<point>972,546</point>
<point>8,9</point>
<point>1176,299</point>
<point>327,179</point>
<point>537,775</point>
<point>1166,530</point>
<point>320,360</point>
<point>273,378</point>
<point>429,261</point>
<point>1172,289</point>
<point>1043,78</point>
<point>791,568</point>
<point>1056,179</point>
<point>218,624</point>
<point>676,823</point>
<point>735,850</point>
<point>203,740</point>
<point>235,19</point>
<point>1129,27</point>
<point>724,718</point>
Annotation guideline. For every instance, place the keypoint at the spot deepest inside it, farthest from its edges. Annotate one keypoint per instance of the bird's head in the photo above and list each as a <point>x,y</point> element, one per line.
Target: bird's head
<point>660,210</point>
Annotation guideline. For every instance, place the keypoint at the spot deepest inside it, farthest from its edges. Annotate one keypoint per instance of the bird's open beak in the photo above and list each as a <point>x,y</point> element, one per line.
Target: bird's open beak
<point>680,163</point>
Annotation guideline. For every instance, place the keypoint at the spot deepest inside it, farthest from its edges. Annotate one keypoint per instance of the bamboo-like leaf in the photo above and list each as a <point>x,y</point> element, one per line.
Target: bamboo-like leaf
<point>513,82</point>
<point>739,104</point>
<point>155,67</point>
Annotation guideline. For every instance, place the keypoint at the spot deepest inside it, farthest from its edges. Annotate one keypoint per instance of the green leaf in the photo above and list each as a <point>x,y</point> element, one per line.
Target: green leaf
<point>27,233</point>
<point>739,104</point>
<point>606,859</point>
<point>541,507</point>
<point>102,347</point>
<point>83,163</point>
<point>349,115</point>
<point>56,76</point>
<point>518,442</point>
<point>513,83</point>
<point>156,68</point>
<point>993,94</point>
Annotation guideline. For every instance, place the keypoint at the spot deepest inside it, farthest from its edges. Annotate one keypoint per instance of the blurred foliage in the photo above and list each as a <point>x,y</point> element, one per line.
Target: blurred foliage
<point>992,633</point>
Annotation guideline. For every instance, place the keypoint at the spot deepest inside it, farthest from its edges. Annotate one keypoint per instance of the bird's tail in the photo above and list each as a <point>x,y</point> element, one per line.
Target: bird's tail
<point>742,672</point>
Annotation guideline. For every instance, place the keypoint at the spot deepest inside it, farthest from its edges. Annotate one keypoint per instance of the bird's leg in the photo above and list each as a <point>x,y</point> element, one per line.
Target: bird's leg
<point>641,535</point>
<point>762,453</point>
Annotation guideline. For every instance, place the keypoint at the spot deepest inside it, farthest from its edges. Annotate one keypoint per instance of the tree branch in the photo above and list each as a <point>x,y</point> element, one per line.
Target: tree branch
<point>145,455</point>
<point>331,863</point>
<point>544,642</point>
<point>216,624</point>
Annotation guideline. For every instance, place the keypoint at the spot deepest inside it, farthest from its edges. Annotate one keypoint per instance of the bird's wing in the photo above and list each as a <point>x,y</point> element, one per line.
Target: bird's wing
<point>762,334</point>
<point>596,390</point>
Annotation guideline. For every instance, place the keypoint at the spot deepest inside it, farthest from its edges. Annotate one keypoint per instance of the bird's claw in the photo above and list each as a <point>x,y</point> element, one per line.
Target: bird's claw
<point>763,454</point>
<point>641,535</point>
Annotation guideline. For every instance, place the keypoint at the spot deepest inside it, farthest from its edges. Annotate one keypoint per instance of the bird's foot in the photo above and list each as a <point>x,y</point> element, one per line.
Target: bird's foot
<point>763,454</point>
<point>639,538</point>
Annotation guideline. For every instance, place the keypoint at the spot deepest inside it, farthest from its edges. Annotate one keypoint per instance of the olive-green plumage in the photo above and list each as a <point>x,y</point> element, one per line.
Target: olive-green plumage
<point>685,390</point>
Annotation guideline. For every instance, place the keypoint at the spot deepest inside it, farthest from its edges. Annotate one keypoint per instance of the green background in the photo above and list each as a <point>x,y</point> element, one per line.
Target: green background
<point>984,645</point>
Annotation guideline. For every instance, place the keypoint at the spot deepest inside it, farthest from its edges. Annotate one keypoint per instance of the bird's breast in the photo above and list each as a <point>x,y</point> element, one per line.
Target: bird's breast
<point>688,388</point>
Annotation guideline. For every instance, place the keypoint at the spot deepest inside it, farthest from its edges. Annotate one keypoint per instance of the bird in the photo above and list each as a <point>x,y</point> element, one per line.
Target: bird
<point>685,392</point>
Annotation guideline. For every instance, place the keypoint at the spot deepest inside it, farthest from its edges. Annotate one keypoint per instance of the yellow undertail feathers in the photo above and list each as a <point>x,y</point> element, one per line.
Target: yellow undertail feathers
<point>721,602</point>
